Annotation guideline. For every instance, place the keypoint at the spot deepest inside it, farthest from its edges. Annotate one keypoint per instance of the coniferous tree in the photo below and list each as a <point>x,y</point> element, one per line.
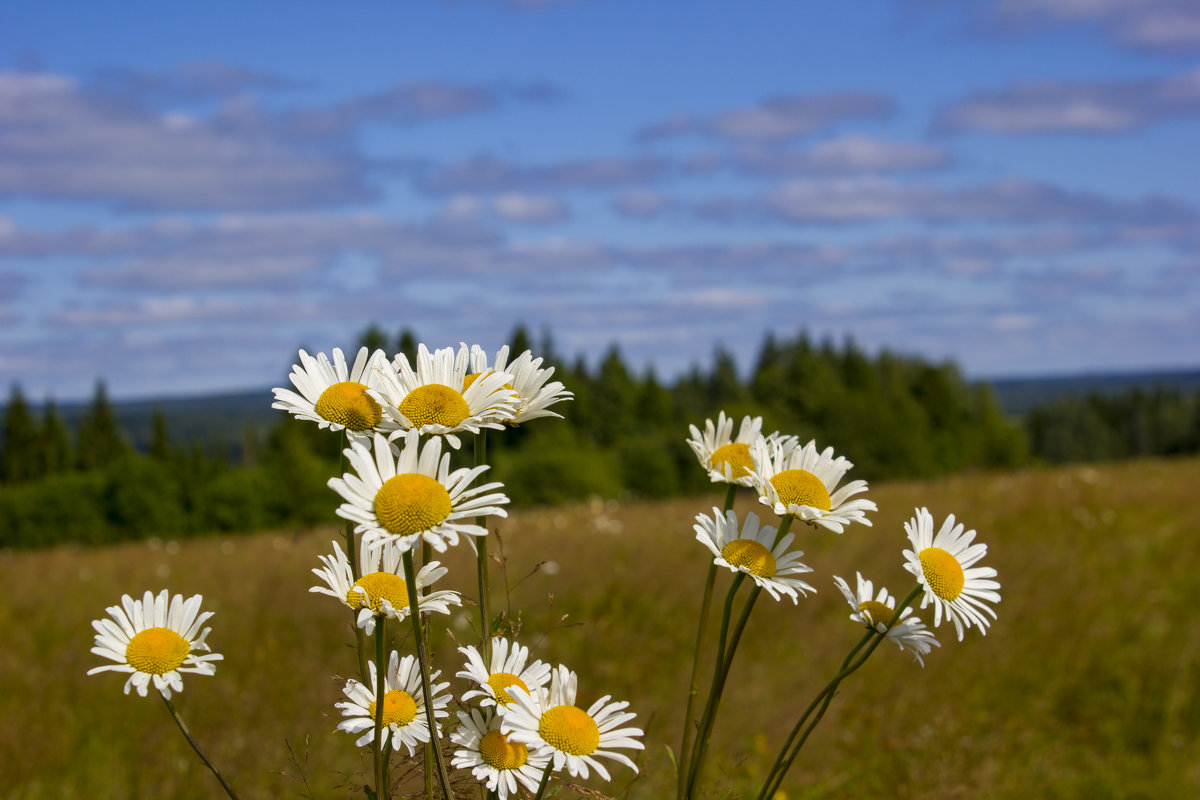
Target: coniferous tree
<point>21,458</point>
<point>55,441</point>
<point>406,343</point>
<point>373,338</point>
<point>519,342</point>
<point>160,440</point>
<point>100,439</point>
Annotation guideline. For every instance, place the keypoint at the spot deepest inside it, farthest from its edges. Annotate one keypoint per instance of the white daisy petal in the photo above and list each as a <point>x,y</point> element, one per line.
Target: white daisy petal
<point>337,398</point>
<point>803,483</point>
<point>156,639</point>
<point>751,549</point>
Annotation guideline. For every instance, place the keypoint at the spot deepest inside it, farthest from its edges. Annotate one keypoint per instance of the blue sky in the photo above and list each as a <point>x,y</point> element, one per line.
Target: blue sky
<point>190,191</point>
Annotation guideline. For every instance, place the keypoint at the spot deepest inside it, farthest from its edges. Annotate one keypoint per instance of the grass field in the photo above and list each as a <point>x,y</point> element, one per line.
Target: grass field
<point>1086,687</point>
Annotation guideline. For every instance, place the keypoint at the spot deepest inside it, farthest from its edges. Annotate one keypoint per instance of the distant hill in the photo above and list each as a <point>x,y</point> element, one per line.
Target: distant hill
<point>221,422</point>
<point>1017,396</point>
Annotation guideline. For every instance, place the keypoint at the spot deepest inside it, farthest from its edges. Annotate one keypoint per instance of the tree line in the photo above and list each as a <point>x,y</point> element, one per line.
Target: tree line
<point>624,435</point>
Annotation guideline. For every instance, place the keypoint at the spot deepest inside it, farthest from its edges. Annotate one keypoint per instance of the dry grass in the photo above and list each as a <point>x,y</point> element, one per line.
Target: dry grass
<point>1086,686</point>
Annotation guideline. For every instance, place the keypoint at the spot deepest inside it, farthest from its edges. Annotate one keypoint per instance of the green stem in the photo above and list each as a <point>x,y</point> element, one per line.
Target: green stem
<point>724,663</point>
<point>381,666</point>
<point>828,693</point>
<point>693,689</point>
<point>183,729</point>
<point>359,638</point>
<point>485,626</point>
<point>423,659</point>
<point>545,780</point>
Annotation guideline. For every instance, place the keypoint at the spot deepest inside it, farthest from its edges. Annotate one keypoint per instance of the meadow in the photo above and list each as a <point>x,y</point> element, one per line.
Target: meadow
<point>1088,685</point>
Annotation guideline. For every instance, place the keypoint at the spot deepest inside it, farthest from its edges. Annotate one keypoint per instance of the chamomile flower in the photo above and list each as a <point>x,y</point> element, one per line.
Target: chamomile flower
<point>752,550</point>
<point>156,639</point>
<point>381,589</point>
<point>726,458</point>
<point>803,483</point>
<point>508,668</point>
<point>875,610</point>
<point>335,397</point>
<point>404,720</point>
<point>549,718</point>
<point>434,398</point>
<point>501,764</point>
<point>534,389</point>
<point>413,495</point>
<point>943,564</point>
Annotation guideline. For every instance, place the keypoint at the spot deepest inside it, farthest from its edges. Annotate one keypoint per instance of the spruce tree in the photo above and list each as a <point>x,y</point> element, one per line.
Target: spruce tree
<point>56,442</point>
<point>21,458</point>
<point>100,438</point>
<point>160,440</point>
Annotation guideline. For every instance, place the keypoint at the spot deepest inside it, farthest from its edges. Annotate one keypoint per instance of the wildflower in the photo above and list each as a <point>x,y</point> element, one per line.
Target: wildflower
<point>404,719</point>
<point>876,610</point>
<point>549,719</point>
<point>336,397</point>
<point>752,550</point>
<point>943,565</point>
<point>535,392</point>
<point>154,638</point>
<point>413,495</point>
<point>507,669</point>
<point>381,589</point>
<point>501,764</point>
<point>804,484</point>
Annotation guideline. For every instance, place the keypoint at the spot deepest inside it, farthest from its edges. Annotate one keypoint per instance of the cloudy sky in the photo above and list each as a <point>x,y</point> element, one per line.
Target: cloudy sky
<point>189,191</point>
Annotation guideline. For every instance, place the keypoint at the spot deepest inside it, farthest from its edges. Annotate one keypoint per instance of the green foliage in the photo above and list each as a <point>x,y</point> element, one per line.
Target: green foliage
<point>1104,427</point>
<point>100,439</point>
<point>20,459</point>
<point>552,468</point>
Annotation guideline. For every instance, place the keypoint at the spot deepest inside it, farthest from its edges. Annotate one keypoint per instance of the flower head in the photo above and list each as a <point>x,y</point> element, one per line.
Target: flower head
<point>535,392</point>
<point>751,549</point>
<point>507,668</point>
<point>404,719</point>
<point>413,495</point>
<point>803,483</point>
<point>943,564</point>
<point>876,610</point>
<point>155,638</point>
<point>381,589</point>
<point>335,397</point>
<point>434,398</point>
<point>548,719</point>
<point>726,458</point>
<point>485,750</point>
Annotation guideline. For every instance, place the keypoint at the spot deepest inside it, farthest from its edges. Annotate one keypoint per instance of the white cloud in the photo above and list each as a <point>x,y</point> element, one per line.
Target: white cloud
<point>529,208</point>
<point>777,118</point>
<point>1075,106</point>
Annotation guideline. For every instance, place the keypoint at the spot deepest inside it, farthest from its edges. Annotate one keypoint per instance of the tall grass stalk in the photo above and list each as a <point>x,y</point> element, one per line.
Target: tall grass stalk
<point>485,626</point>
<point>381,665</point>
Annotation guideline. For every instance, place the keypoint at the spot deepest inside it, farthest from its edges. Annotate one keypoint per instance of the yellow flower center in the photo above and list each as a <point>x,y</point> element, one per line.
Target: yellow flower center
<point>398,707</point>
<point>800,487</point>
<point>434,404</point>
<point>750,556</point>
<point>736,455</point>
<point>347,403</point>
<point>876,612</point>
<point>411,503</point>
<point>943,573</point>
<point>156,651</point>
<point>379,586</point>
<point>497,751</point>
<point>569,730</point>
<point>499,681</point>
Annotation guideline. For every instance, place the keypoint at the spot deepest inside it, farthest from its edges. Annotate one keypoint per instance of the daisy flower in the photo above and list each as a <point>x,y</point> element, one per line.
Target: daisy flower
<point>492,758</point>
<point>549,719</point>
<point>801,482</point>
<point>535,392</point>
<point>943,565</point>
<point>335,397</point>
<point>404,720</point>
<point>508,668</point>
<point>155,638</point>
<point>413,495</point>
<point>875,610</point>
<point>752,550</point>
<point>381,589</point>
<point>435,398</point>
<point>726,459</point>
